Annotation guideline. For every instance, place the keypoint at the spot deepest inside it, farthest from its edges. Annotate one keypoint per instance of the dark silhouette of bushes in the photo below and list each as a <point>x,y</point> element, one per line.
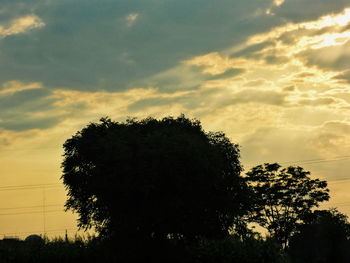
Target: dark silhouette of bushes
<point>324,237</point>
<point>229,249</point>
<point>234,249</point>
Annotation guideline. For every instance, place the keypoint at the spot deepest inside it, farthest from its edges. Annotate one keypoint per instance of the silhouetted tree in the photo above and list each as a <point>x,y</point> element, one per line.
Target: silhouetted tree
<point>322,238</point>
<point>152,178</point>
<point>282,197</point>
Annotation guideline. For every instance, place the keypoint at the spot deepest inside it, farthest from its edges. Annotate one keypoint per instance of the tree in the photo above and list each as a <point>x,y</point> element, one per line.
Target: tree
<point>153,179</point>
<point>282,197</point>
<point>323,237</point>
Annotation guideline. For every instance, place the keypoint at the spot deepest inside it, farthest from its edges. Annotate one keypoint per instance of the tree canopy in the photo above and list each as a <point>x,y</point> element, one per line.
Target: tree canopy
<point>153,178</point>
<point>323,237</point>
<point>282,197</point>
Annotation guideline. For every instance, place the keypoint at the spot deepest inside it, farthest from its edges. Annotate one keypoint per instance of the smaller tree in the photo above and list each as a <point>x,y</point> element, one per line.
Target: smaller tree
<point>323,237</point>
<point>282,197</point>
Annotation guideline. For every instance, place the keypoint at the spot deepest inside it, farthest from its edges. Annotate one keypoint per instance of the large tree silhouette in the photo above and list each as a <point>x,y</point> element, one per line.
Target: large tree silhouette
<point>282,197</point>
<point>153,179</point>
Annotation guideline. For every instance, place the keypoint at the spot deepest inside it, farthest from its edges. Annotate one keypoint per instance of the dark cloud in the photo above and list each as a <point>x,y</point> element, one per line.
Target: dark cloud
<point>211,100</point>
<point>28,100</point>
<point>259,96</point>
<point>88,45</point>
<point>345,76</point>
<point>337,127</point>
<point>27,110</point>
<point>289,88</point>
<point>317,102</point>
<point>253,50</point>
<point>300,10</point>
<point>91,45</point>
<point>305,75</point>
<point>333,58</point>
<point>10,9</point>
<point>228,74</point>
<point>276,59</point>
<point>255,83</point>
<point>189,101</point>
<point>27,123</point>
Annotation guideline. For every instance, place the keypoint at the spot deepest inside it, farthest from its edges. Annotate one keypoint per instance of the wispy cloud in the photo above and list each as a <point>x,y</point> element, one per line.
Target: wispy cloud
<point>14,86</point>
<point>275,4</point>
<point>21,25</point>
<point>131,19</point>
<point>278,2</point>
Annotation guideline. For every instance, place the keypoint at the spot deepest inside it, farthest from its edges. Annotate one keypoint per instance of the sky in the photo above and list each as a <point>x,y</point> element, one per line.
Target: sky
<point>273,75</point>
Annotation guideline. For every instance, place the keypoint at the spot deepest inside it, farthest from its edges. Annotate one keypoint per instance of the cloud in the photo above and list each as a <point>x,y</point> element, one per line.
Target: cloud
<point>21,25</point>
<point>89,46</point>
<point>343,76</point>
<point>131,19</point>
<point>341,127</point>
<point>214,63</point>
<point>317,102</point>
<point>93,65</point>
<point>333,21</point>
<point>14,86</point>
<point>29,107</point>
<point>210,99</point>
<point>332,57</point>
<point>333,138</point>
<point>297,11</point>
<point>278,2</point>
<point>275,4</point>
<point>277,144</point>
<point>259,96</point>
<point>289,89</point>
<point>229,74</point>
<point>276,84</point>
<point>252,51</point>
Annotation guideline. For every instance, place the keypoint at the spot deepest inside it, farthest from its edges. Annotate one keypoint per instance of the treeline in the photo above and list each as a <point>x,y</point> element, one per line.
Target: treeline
<point>167,191</point>
<point>323,239</point>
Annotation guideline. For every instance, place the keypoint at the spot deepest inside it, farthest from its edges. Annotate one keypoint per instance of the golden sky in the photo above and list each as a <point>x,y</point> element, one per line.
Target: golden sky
<point>273,75</point>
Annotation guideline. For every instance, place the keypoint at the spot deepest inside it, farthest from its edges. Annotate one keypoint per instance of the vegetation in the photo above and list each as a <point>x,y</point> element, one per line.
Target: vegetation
<point>282,198</point>
<point>324,237</point>
<point>167,191</point>
<point>154,179</point>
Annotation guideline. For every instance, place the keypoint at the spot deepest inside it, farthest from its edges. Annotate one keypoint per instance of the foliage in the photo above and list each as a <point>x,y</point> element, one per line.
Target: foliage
<point>55,250</point>
<point>324,237</point>
<point>235,249</point>
<point>153,179</point>
<point>228,249</point>
<point>282,197</point>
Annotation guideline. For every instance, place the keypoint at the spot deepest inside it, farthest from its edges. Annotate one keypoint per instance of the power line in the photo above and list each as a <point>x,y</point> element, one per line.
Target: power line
<point>25,207</point>
<point>324,161</point>
<point>312,161</point>
<point>29,187</point>
<point>319,160</point>
<point>342,204</point>
<point>32,212</point>
<point>315,161</point>
<point>337,181</point>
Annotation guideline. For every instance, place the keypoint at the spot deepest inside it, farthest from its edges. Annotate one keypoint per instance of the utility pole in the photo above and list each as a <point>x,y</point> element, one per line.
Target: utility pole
<point>44,210</point>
